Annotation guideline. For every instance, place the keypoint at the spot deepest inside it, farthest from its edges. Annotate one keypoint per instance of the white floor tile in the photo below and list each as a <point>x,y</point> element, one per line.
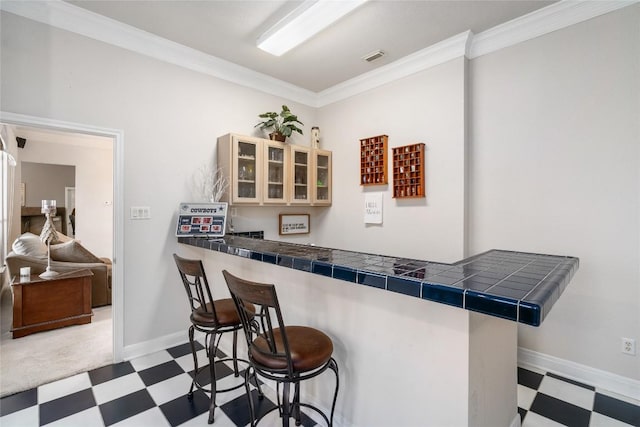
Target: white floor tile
<point>89,417</point>
<point>151,360</point>
<point>534,420</point>
<point>151,418</point>
<point>186,361</point>
<point>525,397</point>
<point>170,389</point>
<point>231,381</point>
<point>117,387</point>
<point>570,393</point>
<point>27,417</point>
<point>220,420</point>
<point>63,387</point>
<point>599,420</point>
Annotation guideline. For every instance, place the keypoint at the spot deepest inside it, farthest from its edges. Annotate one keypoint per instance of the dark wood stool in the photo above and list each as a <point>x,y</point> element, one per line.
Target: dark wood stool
<point>214,318</point>
<point>285,354</point>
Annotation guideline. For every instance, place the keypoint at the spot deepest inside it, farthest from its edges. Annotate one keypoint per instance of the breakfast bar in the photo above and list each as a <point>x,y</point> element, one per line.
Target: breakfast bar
<point>402,325</point>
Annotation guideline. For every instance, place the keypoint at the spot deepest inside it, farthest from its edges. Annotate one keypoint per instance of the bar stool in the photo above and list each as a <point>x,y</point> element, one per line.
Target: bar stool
<point>214,318</point>
<point>285,354</point>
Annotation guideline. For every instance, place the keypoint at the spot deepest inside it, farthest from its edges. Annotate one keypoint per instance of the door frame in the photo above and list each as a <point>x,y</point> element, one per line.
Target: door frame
<point>68,211</point>
<point>117,272</point>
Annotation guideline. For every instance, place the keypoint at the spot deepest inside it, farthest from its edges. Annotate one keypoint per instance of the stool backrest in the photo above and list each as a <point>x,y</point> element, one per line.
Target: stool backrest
<point>196,285</point>
<point>264,323</point>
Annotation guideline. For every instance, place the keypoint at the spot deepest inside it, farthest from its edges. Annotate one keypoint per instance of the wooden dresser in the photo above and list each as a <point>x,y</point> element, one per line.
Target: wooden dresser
<point>44,304</point>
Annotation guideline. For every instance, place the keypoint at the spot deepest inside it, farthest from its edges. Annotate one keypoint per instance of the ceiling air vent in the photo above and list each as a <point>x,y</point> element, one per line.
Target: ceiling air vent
<point>370,57</point>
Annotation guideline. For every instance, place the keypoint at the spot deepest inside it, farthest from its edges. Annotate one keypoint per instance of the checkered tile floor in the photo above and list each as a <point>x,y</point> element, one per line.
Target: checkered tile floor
<point>150,391</point>
<point>550,400</point>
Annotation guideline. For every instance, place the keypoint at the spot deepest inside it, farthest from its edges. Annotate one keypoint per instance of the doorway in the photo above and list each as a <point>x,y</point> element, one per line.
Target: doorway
<point>115,139</point>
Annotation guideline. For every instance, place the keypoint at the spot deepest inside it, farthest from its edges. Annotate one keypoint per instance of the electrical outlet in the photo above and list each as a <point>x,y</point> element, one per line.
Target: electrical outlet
<point>629,346</point>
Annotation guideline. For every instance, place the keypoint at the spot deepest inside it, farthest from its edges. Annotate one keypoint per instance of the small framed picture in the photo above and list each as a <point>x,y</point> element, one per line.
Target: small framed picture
<point>294,224</point>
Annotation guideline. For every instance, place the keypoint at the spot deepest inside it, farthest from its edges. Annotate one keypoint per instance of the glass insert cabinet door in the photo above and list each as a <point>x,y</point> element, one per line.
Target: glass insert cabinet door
<point>276,157</point>
<point>301,175</point>
<point>247,158</point>
<point>322,177</point>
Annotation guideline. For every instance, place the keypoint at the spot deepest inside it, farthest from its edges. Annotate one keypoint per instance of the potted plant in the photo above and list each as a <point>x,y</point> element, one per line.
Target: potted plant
<point>283,124</point>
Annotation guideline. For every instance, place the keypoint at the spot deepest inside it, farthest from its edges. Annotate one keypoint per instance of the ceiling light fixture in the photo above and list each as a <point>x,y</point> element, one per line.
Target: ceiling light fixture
<point>308,19</point>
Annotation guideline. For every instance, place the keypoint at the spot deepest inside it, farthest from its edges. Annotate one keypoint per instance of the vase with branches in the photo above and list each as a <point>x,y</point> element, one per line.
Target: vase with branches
<point>209,184</point>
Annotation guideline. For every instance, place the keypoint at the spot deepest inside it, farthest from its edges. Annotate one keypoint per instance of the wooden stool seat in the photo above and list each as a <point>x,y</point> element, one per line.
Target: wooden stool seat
<point>310,349</point>
<point>225,310</point>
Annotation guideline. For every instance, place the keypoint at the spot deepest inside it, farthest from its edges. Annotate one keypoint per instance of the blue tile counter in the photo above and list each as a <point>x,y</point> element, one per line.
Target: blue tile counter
<point>517,286</point>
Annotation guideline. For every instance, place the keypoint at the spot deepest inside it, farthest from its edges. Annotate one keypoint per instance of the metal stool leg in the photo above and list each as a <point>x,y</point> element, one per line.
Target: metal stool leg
<point>286,405</point>
<point>334,367</point>
<point>212,370</point>
<point>296,404</point>
<point>195,362</point>
<point>235,353</point>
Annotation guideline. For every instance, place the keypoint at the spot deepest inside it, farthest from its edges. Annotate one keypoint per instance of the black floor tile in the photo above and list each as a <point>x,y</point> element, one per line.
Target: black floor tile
<point>238,409</point>
<point>529,378</point>
<point>183,349</point>
<point>204,376</point>
<point>126,406</point>
<point>560,411</point>
<point>522,412</point>
<point>182,409</point>
<point>109,372</point>
<point>567,380</point>
<point>614,408</point>
<point>18,401</point>
<point>160,372</point>
<point>65,406</point>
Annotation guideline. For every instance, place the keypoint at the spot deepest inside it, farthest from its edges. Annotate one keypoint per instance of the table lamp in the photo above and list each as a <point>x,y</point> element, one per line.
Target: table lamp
<point>48,234</point>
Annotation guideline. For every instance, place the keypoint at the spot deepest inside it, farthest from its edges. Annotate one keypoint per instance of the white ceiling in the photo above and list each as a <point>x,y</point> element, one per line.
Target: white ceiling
<point>229,30</point>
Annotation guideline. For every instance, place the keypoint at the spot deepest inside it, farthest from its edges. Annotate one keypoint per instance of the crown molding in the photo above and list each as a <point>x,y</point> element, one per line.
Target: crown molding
<point>66,16</point>
<point>439,53</point>
<point>540,22</point>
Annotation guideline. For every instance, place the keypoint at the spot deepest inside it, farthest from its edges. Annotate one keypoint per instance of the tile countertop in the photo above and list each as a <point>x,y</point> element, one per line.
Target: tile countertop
<point>516,286</point>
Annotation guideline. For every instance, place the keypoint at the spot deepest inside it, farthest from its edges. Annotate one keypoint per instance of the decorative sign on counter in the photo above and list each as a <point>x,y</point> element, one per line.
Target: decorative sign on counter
<point>373,208</point>
<point>294,224</point>
<point>202,219</point>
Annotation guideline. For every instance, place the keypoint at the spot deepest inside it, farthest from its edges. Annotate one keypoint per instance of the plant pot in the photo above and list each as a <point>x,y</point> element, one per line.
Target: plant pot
<point>277,136</point>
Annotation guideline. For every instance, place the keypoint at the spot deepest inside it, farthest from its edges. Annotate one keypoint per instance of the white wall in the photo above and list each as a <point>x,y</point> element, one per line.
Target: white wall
<point>170,118</point>
<point>426,107</point>
<point>554,168</point>
<point>46,181</point>
<point>94,187</point>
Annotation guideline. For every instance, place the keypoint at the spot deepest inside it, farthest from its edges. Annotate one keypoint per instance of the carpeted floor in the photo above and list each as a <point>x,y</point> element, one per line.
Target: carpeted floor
<point>43,357</point>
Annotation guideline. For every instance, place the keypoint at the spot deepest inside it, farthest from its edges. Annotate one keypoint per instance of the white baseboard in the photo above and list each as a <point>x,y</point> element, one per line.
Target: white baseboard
<point>147,347</point>
<point>581,373</point>
<point>516,422</point>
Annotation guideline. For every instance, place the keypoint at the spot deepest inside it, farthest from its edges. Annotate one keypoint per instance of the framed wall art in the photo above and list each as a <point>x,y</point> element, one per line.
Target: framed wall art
<point>293,224</point>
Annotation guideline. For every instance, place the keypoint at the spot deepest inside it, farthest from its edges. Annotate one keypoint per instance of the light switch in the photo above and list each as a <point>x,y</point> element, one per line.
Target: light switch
<point>140,212</point>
